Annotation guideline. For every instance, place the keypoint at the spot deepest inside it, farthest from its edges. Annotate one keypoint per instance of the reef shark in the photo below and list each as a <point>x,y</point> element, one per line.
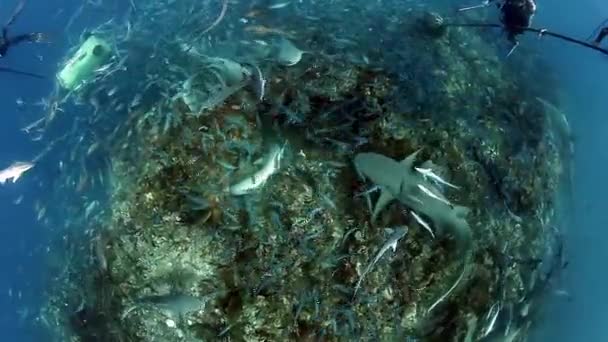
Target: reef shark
<point>399,181</point>
<point>14,171</point>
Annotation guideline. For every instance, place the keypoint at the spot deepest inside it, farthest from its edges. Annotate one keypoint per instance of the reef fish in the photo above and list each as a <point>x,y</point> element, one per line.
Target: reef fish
<point>14,171</point>
<point>279,5</point>
<point>429,173</point>
<point>259,178</point>
<point>391,243</point>
<point>258,81</point>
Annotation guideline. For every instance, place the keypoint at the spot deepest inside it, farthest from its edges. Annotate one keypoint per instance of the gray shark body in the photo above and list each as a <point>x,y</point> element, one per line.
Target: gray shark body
<point>399,181</point>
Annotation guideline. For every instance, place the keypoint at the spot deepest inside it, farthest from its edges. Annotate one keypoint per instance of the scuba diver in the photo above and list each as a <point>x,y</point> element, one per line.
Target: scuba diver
<point>516,18</point>
<point>600,36</point>
<point>516,15</point>
<point>7,42</point>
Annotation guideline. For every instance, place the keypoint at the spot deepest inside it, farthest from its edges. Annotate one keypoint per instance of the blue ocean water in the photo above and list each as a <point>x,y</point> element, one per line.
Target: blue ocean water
<point>24,248</point>
<point>24,243</point>
<point>23,240</point>
<point>583,75</point>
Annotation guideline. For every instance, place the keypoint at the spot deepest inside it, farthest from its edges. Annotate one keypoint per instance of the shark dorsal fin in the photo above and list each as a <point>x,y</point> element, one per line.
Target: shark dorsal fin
<point>408,162</point>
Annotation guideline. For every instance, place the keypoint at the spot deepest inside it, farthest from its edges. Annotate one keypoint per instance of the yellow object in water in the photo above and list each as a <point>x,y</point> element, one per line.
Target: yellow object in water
<point>92,54</point>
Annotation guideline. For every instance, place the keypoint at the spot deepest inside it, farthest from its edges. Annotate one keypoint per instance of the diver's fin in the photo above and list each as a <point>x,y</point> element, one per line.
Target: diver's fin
<point>16,13</point>
<point>19,72</point>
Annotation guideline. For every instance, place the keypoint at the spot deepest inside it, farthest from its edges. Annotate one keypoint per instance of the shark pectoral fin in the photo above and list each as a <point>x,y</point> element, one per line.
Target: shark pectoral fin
<point>384,199</point>
<point>16,177</point>
<point>461,211</point>
<point>408,162</point>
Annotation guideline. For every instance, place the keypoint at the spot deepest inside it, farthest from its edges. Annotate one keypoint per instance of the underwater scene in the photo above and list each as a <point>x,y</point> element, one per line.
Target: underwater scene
<point>294,170</point>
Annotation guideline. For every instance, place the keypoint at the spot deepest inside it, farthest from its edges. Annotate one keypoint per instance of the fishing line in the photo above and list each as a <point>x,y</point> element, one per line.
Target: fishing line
<point>19,72</point>
<point>540,32</point>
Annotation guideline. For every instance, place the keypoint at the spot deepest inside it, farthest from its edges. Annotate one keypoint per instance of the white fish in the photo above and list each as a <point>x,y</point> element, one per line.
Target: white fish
<point>112,91</point>
<point>259,178</point>
<point>433,195</point>
<point>14,171</point>
<point>92,148</point>
<point>447,294</point>
<point>423,223</point>
<point>428,173</point>
<point>391,243</point>
<point>104,68</point>
<point>562,293</point>
<point>279,5</point>
<point>89,208</point>
<point>260,42</point>
<point>136,101</point>
<point>259,82</point>
<point>287,53</point>
<point>367,192</point>
<point>491,317</point>
<point>41,213</point>
<point>33,125</point>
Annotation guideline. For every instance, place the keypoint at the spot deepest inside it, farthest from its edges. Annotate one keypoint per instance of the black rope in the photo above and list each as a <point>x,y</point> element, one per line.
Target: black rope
<point>19,72</point>
<point>597,29</point>
<point>540,32</point>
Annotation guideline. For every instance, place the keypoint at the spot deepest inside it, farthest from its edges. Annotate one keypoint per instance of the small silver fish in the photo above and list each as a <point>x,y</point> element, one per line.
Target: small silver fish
<point>33,125</point>
<point>260,42</point>
<point>492,316</point>
<point>279,5</point>
<point>433,195</point>
<point>41,213</point>
<point>391,243</point>
<point>112,91</point>
<point>226,165</point>
<point>367,192</point>
<point>136,101</point>
<point>259,82</point>
<point>259,178</point>
<point>448,292</point>
<point>92,148</point>
<point>104,68</point>
<point>428,173</point>
<point>423,223</point>
<point>89,208</point>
